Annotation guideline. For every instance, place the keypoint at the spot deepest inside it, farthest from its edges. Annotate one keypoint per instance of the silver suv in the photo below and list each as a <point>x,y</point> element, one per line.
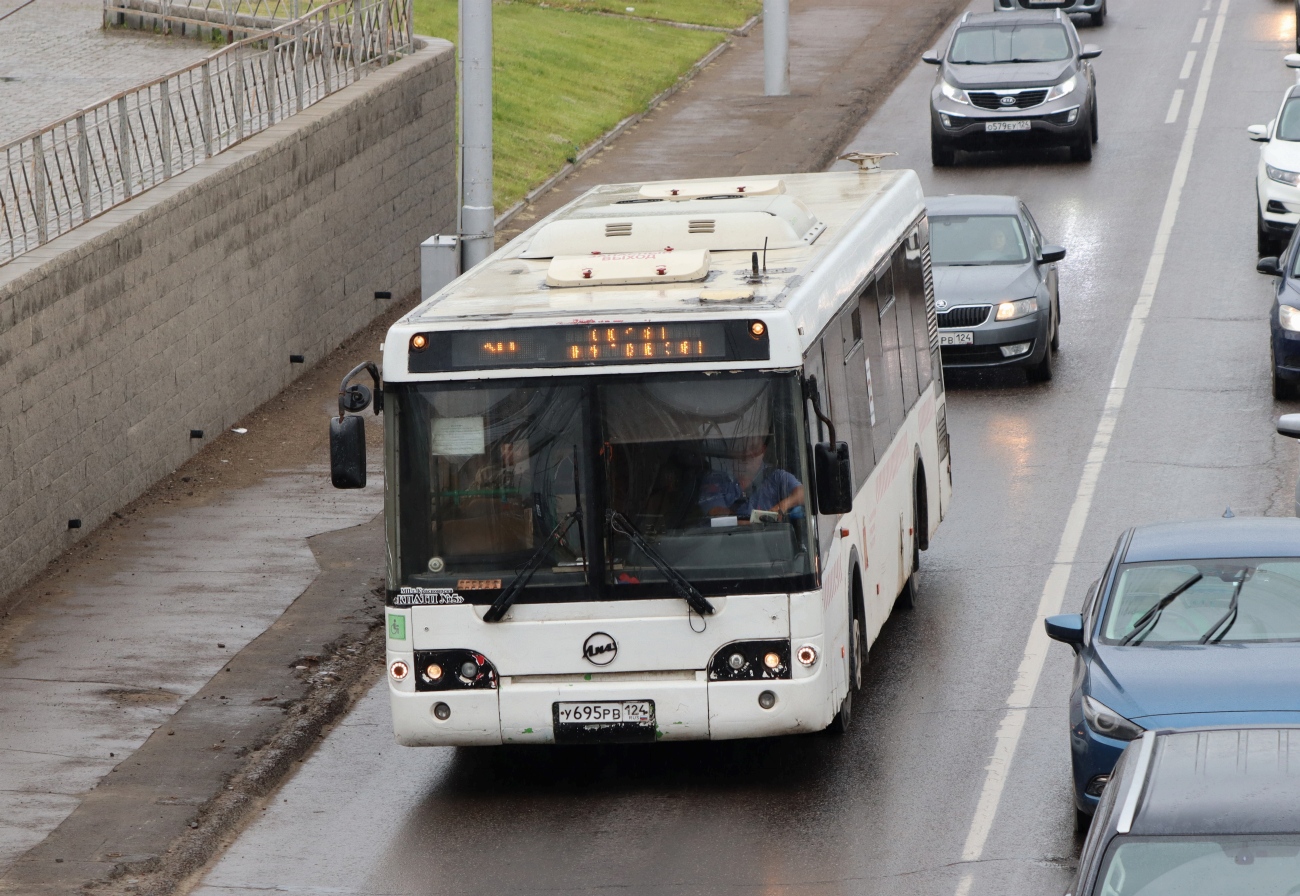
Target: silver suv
<point>1094,8</point>
<point>1009,80</point>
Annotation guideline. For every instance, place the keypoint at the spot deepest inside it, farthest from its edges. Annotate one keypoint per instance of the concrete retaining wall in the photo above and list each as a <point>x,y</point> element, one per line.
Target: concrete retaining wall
<point>180,309</point>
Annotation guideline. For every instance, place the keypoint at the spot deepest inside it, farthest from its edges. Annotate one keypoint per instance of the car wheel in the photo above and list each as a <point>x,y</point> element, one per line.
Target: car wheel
<point>941,156</point>
<point>1099,16</point>
<point>1264,243</point>
<point>1283,390</point>
<point>1042,371</point>
<point>1056,327</point>
<point>1081,149</point>
<point>1095,132</point>
<point>1082,821</point>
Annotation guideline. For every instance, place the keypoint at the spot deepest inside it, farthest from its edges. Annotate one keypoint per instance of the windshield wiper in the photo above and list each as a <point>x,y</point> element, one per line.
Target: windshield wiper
<point>685,590</point>
<point>1231,614</point>
<point>1153,615</point>
<point>512,591</point>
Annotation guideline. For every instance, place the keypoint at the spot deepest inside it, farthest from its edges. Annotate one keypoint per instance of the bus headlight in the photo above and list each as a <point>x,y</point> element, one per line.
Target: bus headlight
<point>453,670</point>
<point>750,661</point>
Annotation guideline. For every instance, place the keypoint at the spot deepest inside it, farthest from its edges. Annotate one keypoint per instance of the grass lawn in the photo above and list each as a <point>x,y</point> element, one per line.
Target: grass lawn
<point>723,13</point>
<point>561,79</point>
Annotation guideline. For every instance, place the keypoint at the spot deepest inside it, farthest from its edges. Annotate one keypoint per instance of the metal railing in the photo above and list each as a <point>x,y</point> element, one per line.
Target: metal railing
<point>65,174</point>
<point>234,18</point>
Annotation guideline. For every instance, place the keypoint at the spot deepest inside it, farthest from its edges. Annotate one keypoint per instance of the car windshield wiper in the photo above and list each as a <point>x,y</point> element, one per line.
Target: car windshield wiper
<point>685,590</point>
<point>512,591</point>
<point>1230,615</point>
<point>1153,615</point>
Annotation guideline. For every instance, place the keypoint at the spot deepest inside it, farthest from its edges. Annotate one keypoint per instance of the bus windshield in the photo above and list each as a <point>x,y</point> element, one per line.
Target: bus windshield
<point>708,467</point>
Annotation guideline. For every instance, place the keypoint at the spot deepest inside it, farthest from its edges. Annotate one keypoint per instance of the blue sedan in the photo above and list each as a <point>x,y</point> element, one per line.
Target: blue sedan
<point>1191,625</point>
<point>1284,320</point>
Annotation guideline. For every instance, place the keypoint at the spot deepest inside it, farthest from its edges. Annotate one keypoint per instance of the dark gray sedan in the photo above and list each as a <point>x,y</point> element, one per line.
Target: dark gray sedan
<point>995,284</point>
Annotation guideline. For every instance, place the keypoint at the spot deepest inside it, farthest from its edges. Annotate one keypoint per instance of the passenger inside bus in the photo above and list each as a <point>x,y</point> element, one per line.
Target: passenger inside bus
<point>752,485</point>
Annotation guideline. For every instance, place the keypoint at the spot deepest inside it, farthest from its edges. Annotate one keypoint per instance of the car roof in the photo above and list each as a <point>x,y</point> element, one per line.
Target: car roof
<point>972,205</point>
<point>1220,781</point>
<point>1026,17</point>
<point>1208,539</point>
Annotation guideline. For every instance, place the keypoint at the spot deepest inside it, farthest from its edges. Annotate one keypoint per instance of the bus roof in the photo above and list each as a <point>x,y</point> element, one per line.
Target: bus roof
<point>683,250</point>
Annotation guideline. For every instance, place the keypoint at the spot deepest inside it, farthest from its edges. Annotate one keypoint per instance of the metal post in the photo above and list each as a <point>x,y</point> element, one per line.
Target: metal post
<point>166,130</point>
<point>357,34</point>
<point>776,47</point>
<point>476,225</point>
<point>299,59</point>
<point>83,167</point>
<point>241,93</point>
<point>38,178</point>
<point>272,82</point>
<point>208,126</point>
<point>124,146</point>
<point>385,25</point>
<point>327,50</point>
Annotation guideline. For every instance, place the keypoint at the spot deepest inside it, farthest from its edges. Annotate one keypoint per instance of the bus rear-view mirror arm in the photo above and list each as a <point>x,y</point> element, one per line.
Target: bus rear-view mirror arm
<point>348,432</point>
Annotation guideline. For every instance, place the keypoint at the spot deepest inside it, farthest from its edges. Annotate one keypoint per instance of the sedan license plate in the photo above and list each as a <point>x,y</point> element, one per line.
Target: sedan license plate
<point>959,338</point>
<point>605,721</point>
<point>1020,125</point>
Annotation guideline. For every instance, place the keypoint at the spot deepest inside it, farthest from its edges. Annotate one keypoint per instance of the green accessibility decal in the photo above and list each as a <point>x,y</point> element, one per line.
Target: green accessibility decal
<point>396,627</point>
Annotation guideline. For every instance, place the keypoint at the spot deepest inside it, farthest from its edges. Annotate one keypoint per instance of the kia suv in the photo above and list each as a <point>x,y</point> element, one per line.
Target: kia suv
<point>1014,79</point>
<point>1095,9</point>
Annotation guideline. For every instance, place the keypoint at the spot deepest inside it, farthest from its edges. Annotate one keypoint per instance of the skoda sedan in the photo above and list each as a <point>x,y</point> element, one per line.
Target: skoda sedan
<point>995,284</point>
<point>1010,80</point>
<point>1191,625</point>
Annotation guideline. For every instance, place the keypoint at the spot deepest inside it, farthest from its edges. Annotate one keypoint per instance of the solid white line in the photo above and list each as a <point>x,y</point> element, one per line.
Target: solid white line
<point>1199,32</point>
<point>1174,105</point>
<point>1031,663</point>
<point>1187,65</point>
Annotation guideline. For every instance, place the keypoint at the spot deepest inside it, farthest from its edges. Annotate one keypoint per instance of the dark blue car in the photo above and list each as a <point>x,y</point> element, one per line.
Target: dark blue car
<point>1284,320</point>
<point>1191,625</point>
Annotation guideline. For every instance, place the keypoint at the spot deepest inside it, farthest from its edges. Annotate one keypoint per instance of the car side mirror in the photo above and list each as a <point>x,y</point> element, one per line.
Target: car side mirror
<point>1270,266</point>
<point>834,477</point>
<point>1258,133</point>
<point>1090,51</point>
<point>1289,425</point>
<point>1066,628</point>
<point>348,452</point>
<point>1052,254</point>
<point>1292,60</point>
<point>932,57</point>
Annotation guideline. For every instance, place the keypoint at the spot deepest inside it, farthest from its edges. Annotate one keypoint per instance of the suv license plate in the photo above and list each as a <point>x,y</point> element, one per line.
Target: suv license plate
<point>1020,125</point>
<point>962,338</point>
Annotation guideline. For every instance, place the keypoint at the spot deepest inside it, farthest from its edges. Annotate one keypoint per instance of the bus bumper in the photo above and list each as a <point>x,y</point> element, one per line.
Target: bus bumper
<point>685,709</point>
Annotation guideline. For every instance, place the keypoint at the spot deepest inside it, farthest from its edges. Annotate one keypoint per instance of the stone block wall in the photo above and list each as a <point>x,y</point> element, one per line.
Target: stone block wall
<point>179,309</point>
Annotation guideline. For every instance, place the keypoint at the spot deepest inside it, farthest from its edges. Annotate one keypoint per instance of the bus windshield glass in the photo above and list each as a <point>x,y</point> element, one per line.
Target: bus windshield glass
<point>709,468</point>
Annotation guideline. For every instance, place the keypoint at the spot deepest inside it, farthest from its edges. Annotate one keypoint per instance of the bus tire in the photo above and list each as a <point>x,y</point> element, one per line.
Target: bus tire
<point>911,593</point>
<point>857,660</point>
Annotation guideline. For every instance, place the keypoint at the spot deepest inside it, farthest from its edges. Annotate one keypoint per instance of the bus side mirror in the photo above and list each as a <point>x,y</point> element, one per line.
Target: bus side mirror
<point>348,452</point>
<point>834,477</point>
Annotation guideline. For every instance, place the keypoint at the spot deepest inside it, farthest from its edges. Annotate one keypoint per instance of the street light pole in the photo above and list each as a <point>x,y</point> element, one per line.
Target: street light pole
<point>476,214</point>
<point>776,47</point>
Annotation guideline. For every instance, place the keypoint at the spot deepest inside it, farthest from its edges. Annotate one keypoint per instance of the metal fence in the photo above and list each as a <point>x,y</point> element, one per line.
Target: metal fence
<point>82,166</point>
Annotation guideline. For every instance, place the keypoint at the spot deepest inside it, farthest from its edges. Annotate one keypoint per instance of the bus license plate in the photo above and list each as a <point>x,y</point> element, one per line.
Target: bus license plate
<point>1021,125</point>
<point>624,712</point>
<point>959,338</point>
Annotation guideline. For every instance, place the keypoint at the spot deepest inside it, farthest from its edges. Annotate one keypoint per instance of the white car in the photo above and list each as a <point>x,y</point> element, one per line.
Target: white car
<point>1277,183</point>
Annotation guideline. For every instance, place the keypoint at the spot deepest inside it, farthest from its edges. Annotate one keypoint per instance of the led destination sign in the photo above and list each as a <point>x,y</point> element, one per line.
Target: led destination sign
<point>590,345</point>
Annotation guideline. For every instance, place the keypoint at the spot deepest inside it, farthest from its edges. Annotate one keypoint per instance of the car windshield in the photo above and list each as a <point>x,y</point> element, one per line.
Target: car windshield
<point>1009,43</point>
<point>1288,123</point>
<point>1187,866</point>
<point>707,467</point>
<point>1233,601</point>
<point>977,239</point>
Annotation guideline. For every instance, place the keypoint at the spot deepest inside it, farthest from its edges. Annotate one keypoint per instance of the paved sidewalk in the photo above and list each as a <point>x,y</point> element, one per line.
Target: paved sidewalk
<point>105,655</point>
<point>55,59</point>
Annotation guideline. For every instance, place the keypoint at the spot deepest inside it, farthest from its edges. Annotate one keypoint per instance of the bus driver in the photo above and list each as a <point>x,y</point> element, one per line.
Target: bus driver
<point>755,486</point>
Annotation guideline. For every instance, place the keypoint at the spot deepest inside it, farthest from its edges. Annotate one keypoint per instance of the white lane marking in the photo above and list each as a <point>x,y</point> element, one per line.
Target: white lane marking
<point>1174,105</point>
<point>1200,30</point>
<point>1187,66</point>
<point>1031,663</point>
<point>964,885</point>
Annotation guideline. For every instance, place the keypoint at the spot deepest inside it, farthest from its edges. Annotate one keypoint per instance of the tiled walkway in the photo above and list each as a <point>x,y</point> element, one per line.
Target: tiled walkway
<point>55,58</point>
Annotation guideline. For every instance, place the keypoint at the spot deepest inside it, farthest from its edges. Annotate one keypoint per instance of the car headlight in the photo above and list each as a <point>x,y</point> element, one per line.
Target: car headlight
<point>1013,310</point>
<point>1282,176</point>
<point>1065,88</point>
<point>1289,318</point>
<point>956,94</point>
<point>1108,723</point>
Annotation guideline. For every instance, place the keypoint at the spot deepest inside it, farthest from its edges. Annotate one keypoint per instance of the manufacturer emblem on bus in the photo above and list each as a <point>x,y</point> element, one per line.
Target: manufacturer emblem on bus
<point>599,649</point>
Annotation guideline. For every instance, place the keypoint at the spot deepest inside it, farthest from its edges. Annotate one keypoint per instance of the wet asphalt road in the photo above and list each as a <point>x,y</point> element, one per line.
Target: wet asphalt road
<point>890,807</point>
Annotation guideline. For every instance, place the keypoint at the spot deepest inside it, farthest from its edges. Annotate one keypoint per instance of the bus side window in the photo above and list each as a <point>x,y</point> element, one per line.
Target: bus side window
<point>913,282</point>
<point>861,400</point>
<point>814,366</point>
<point>840,396</point>
<point>887,382</point>
<point>903,299</point>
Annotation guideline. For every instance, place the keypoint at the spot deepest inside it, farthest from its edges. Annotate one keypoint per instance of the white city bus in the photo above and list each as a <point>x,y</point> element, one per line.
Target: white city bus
<point>660,468</point>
